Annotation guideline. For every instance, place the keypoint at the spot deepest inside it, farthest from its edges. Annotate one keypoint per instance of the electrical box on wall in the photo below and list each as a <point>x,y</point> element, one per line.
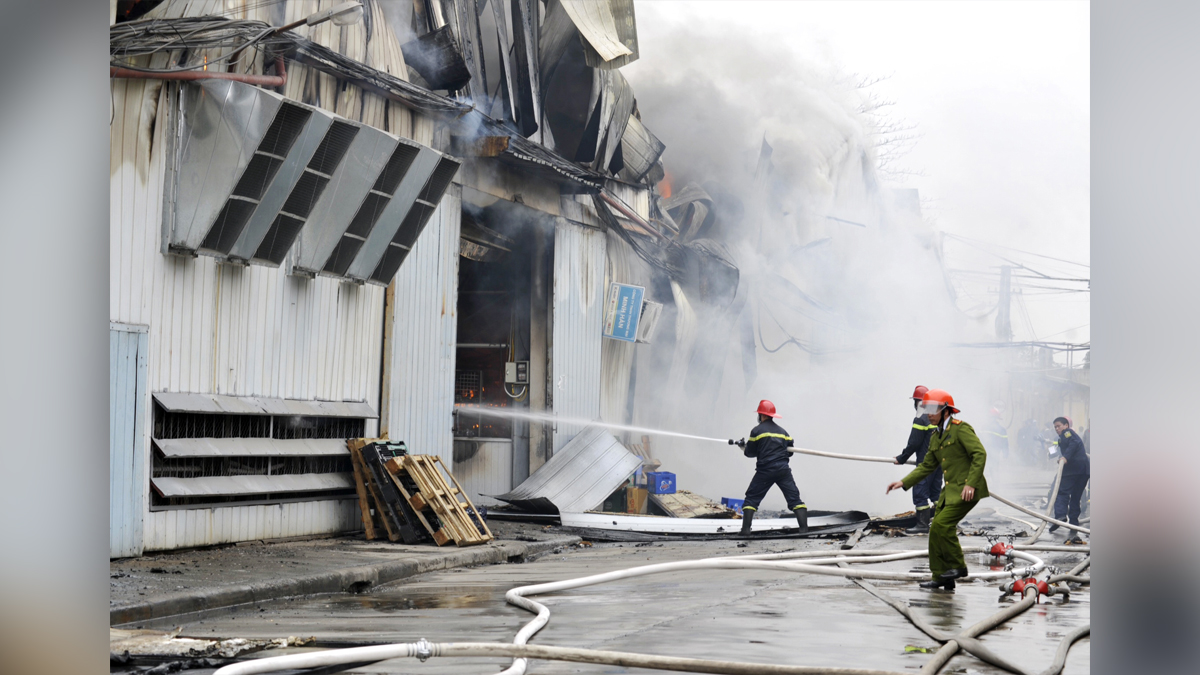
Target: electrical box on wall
<point>516,372</point>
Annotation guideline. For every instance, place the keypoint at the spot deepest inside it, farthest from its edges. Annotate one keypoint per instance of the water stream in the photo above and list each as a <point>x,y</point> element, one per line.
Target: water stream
<point>582,421</point>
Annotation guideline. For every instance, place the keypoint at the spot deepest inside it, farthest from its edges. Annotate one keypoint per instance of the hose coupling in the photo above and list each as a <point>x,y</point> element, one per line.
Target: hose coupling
<point>423,650</point>
<point>1019,586</point>
<point>1000,549</point>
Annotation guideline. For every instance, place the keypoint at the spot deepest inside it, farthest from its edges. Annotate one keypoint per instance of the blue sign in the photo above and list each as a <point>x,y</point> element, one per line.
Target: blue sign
<point>623,311</point>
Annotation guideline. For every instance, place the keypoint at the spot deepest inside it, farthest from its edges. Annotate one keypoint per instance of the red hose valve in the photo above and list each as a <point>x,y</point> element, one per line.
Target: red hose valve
<point>1042,588</point>
<point>1000,549</point>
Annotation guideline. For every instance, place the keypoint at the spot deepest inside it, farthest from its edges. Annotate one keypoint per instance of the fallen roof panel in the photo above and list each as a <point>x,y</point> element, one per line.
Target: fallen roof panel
<point>578,477</point>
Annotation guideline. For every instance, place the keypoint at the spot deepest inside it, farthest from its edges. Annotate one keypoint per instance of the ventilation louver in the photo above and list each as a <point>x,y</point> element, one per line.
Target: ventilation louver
<point>263,179</point>
<point>415,221</point>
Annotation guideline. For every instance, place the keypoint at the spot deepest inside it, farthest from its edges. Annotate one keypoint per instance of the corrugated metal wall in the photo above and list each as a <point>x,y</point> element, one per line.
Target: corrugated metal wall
<point>578,307</point>
<point>623,267</point>
<point>127,403</point>
<point>184,528</point>
<point>424,332</point>
<point>487,472</point>
<point>246,331</point>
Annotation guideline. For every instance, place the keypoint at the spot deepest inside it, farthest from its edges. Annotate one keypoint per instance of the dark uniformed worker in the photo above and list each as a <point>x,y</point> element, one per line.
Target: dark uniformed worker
<point>769,442</point>
<point>956,449</point>
<point>1075,476</point>
<point>925,493</point>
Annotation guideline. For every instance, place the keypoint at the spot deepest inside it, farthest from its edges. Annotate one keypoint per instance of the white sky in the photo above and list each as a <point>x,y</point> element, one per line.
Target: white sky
<point>1000,94</point>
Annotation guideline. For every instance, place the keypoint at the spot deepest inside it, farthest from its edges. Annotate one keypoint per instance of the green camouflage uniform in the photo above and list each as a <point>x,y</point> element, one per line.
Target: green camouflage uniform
<point>961,456</point>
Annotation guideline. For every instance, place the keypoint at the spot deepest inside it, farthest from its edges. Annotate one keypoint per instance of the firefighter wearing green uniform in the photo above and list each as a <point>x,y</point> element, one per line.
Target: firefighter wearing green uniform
<point>955,449</point>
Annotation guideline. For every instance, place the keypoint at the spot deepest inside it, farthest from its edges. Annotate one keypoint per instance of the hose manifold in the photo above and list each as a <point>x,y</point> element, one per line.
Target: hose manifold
<point>423,650</point>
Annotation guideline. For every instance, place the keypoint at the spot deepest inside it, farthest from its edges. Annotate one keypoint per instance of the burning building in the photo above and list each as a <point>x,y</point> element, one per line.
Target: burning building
<point>332,220</point>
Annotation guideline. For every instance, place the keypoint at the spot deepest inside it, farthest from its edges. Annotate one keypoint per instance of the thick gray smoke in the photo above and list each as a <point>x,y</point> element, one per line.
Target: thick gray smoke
<point>845,298</point>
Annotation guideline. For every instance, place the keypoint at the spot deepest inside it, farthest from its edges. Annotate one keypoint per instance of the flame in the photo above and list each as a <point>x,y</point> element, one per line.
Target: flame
<point>206,61</point>
<point>664,185</point>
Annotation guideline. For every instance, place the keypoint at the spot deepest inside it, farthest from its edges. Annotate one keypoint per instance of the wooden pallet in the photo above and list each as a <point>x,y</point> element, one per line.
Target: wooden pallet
<point>379,500</point>
<point>445,511</point>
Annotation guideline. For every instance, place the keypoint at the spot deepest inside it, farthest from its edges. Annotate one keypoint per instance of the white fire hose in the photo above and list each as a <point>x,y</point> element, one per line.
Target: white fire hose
<point>815,562</point>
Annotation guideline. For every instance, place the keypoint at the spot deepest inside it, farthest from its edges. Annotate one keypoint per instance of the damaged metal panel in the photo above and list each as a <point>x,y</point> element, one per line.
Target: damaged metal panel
<point>223,124</point>
<point>463,17</point>
<point>640,149</point>
<point>524,75</point>
<point>249,405</point>
<point>349,191</point>
<point>230,486</point>
<point>614,109</point>
<point>578,312</point>
<point>578,477</point>
<point>437,58</point>
<point>609,28</point>
<point>556,33</point>
<point>250,447</point>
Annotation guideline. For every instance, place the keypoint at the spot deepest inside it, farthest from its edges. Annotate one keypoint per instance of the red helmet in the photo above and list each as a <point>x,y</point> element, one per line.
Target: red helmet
<point>919,392</point>
<point>940,396</point>
<point>767,408</point>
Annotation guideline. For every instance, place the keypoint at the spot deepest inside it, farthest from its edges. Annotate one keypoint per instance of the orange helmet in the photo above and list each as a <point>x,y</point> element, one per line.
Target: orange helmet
<point>940,396</point>
<point>767,408</point>
<point>919,392</point>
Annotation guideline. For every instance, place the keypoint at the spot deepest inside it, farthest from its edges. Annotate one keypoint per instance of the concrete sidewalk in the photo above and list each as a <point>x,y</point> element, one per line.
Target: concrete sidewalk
<point>164,585</point>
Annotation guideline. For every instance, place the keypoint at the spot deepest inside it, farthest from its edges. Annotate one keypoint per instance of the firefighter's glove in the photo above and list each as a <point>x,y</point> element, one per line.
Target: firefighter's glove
<point>741,444</point>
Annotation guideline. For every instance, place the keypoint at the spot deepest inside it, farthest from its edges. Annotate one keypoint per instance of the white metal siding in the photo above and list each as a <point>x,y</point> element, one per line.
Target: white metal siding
<point>424,332</point>
<point>488,472</point>
<point>127,403</point>
<point>579,260</point>
<point>245,331</point>
<point>184,528</point>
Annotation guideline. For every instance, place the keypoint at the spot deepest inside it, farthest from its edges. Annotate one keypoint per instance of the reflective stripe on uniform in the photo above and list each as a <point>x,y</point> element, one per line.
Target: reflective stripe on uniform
<point>924,427</point>
<point>802,506</point>
<point>922,508</point>
<point>996,434</point>
<point>749,508</point>
<point>761,436</point>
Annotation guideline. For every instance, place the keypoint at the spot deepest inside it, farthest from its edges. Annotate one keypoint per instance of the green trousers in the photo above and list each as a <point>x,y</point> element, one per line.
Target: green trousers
<point>945,553</point>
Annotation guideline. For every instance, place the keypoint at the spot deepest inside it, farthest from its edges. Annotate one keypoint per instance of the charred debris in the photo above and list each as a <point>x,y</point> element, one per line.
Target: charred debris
<point>528,88</point>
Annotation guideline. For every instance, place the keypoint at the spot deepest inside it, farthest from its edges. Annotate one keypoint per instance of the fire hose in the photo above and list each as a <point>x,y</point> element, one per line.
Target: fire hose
<point>815,563</point>
<point>1002,500</point>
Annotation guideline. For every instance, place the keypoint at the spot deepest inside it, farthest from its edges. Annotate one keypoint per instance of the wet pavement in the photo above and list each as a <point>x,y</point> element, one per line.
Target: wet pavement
<point>744,615</point>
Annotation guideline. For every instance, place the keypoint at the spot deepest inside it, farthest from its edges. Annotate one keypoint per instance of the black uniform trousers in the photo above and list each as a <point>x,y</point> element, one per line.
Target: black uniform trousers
<point>762,482</point>
<point>1070,497</point>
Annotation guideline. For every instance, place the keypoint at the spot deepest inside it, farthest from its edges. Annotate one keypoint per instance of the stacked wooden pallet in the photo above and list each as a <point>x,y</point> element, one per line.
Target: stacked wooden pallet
<point>445,511</point>
<point>384,509</point>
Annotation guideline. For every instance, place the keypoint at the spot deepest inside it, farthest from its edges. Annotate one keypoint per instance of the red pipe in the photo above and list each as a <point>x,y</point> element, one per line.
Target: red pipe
<point>191,75</point>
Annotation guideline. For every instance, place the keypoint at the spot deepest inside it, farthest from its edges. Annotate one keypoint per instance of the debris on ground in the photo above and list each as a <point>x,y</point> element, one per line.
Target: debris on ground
<point>127,643</point>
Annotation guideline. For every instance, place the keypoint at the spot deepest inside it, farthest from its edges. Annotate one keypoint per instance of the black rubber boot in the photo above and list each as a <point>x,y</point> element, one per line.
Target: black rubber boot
<point>922,525</point>
<point>933,584</point>
<point>802,519</point>
<point>951,575</point>
<point>747,520</point>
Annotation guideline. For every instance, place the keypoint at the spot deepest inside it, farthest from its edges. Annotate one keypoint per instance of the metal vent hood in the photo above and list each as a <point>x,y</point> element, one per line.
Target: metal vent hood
<point>259,175</point>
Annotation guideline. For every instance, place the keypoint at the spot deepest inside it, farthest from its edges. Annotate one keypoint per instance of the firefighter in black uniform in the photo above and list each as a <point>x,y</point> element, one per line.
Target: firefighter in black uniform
<point>925,493</point>
<point>769,442</point>
<point>1075,476</point>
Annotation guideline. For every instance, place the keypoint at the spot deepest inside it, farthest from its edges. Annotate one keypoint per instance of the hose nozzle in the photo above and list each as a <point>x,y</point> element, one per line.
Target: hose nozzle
<point>740,444</point>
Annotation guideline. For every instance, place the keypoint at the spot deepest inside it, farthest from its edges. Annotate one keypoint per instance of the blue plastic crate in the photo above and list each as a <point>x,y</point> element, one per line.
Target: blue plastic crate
<point>660,482</point>
<point>735,504</point>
